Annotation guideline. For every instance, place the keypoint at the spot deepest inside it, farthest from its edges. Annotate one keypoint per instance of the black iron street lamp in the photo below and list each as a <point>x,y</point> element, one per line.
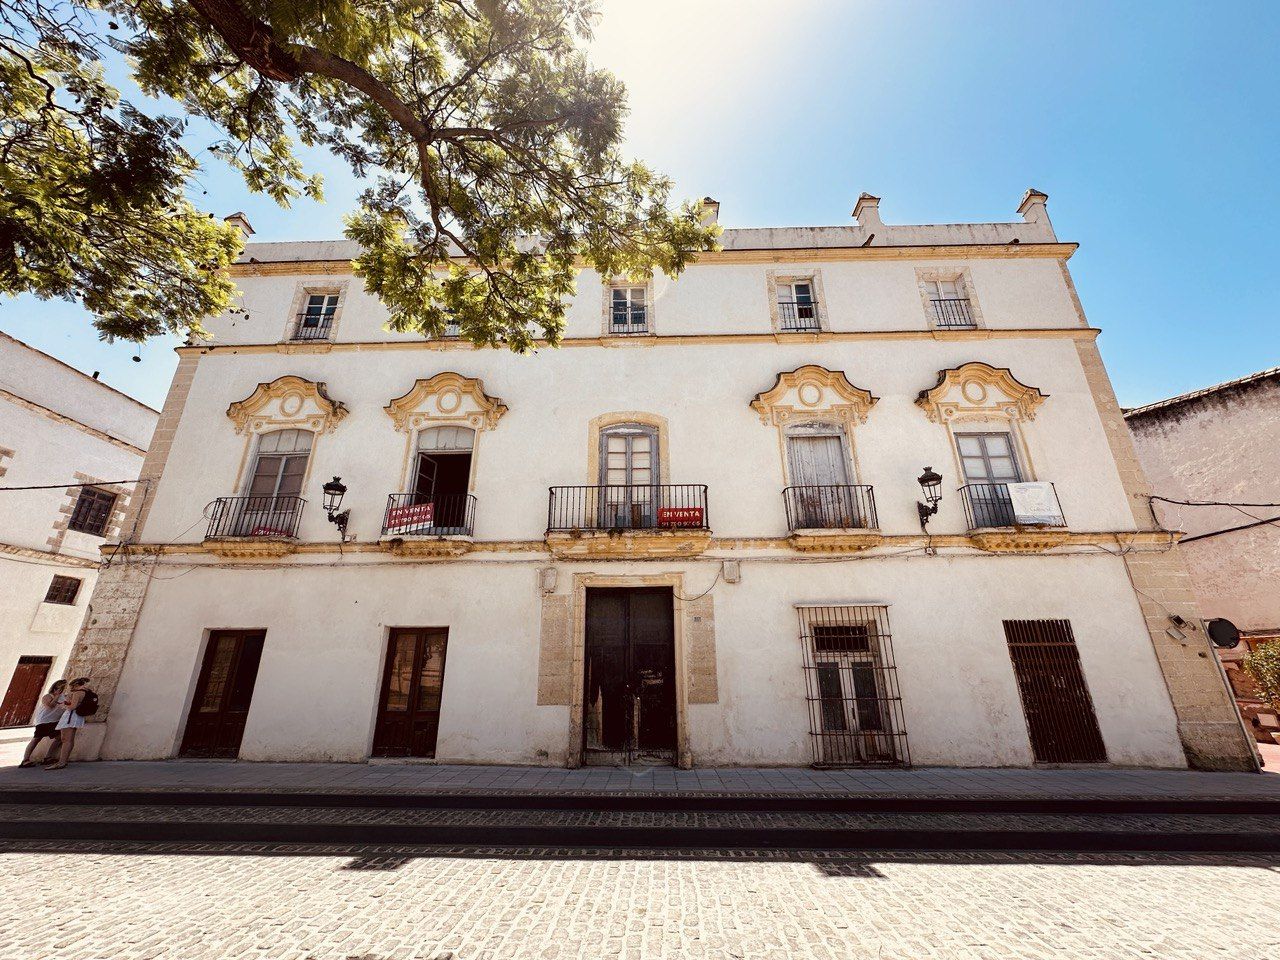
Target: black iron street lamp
<point>931,483</point>
<point>334,491</point>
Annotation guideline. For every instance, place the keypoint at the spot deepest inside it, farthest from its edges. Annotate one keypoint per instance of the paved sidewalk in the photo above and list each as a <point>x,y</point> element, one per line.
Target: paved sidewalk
<point>417,778</point>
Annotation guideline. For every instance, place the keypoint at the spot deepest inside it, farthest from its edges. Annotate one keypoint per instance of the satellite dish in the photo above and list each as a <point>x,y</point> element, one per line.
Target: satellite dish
<point>1224,634</point>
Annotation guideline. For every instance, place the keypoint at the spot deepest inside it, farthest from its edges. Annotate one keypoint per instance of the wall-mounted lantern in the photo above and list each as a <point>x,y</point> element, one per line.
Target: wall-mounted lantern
<point>931,485</point>
<point>334,491</point>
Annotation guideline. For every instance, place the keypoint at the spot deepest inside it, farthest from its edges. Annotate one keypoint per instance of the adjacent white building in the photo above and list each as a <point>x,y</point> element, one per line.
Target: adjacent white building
<point>689,535</point>
<point>66,432</point>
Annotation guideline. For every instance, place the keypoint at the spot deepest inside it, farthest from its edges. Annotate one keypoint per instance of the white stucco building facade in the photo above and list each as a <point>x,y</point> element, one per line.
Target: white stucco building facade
<point>62,429</point>
<point>690,534</point>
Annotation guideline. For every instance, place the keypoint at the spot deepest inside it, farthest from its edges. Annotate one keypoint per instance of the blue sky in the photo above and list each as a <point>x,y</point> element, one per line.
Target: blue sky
<point>1153,128</point>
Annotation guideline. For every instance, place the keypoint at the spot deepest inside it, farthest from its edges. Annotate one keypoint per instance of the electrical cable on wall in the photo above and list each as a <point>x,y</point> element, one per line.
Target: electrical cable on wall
<point>63,486</point>
<point>1210,503</point>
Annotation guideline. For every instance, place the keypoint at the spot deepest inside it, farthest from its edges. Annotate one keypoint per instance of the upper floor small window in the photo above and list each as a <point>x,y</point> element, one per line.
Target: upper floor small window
<point>629,312</point>
<point>950,303</point>
<point>92,511</point>
<point>797,306</point>
<point>63,590</point>
<point>316,319</point>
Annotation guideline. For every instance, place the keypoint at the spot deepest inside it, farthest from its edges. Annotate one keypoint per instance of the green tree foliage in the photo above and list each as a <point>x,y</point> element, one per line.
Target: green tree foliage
<point>490,146</point>
<point>1263,665</point>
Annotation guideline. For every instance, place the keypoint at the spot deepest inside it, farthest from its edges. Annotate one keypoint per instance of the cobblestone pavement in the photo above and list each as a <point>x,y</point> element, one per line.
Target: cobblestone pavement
<point>722,819</point>
<point>144,901</point>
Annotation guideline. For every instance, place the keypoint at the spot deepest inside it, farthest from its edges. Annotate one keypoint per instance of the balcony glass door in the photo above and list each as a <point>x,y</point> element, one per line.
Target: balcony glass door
<point>443,478</point>
<point>989,466</point>
<point>629,475</point>
<point>278,472</point>
<point>820,476</point>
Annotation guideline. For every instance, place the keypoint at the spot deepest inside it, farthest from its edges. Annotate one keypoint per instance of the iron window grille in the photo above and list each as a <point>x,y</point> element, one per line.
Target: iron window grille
<point>629,312</point>
<point>92,511</point>
<point>830,507</point>
<point>63,590</point>
<point>274,517</point>
<point>851,683</point>
<point>668,506</point>
<point>1061,722</point>
<point>988,505</point>
<point>316,321</point>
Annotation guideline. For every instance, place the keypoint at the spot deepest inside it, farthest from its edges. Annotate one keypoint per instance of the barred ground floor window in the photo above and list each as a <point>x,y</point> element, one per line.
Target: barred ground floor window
<point>851,683</point>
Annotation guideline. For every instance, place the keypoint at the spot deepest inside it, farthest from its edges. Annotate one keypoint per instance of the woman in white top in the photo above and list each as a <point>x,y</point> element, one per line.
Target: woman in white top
<point>49,711</point>
<point>71,721</point>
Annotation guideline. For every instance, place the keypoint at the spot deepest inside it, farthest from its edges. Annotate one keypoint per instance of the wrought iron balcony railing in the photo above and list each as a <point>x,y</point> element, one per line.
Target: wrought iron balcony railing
<point>671,506</point>
<point>992,505</point>
<point>269,517</point>
<point>830,507</point>
<point>312,326</point>
<point>420,515</point>
<point>633,319</point>
<point>798,316</point>
<point>953,312</point>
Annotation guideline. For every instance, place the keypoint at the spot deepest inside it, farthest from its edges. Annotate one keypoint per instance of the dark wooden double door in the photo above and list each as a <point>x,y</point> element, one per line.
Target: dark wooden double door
<point>224,690</point>
<point>629,704</point>
<point>412,685</point>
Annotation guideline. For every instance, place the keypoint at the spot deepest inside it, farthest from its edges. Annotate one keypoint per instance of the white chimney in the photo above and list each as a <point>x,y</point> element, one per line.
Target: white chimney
<point>710,211</point>
<point>867,212</point>
<point>1032,208</point>
<point>238,219</point>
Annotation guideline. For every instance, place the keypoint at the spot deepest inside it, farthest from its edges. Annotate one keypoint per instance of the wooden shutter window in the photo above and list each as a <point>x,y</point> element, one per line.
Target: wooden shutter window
<point>63,590</point>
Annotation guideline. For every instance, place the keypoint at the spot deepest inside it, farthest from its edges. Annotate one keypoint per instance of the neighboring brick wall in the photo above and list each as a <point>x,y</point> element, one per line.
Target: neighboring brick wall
<point>1119,439</point>
<point>1208,723</point>
<point>161,443</point>
<point>104,640</point>
<point>121,588</point>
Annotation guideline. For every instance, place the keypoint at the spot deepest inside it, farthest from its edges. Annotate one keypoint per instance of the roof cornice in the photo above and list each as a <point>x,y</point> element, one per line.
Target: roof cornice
<point>960,251</point>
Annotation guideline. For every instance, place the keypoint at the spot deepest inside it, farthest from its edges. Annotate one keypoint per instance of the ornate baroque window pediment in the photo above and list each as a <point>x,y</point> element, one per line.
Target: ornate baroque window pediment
<point>813,391</point>
<point>287,402</point>
<point>979,391</point>
<point>446,397</point>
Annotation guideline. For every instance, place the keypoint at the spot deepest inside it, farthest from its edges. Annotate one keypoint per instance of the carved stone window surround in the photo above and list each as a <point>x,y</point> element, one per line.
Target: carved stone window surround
<point>961,276</point>
<point>288,402</point>
<point>814,394</point>
<point>980,396</point>
<point>606,312</point>
<point>447,399</point>
<point>775,279</point>
<point>302,291</point>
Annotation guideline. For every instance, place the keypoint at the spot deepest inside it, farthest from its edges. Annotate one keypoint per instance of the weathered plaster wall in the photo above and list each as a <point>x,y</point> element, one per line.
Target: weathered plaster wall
<point>327,628</point>
<point>704,390</point>
<point>1222,446</point>
<point>708,298</point>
